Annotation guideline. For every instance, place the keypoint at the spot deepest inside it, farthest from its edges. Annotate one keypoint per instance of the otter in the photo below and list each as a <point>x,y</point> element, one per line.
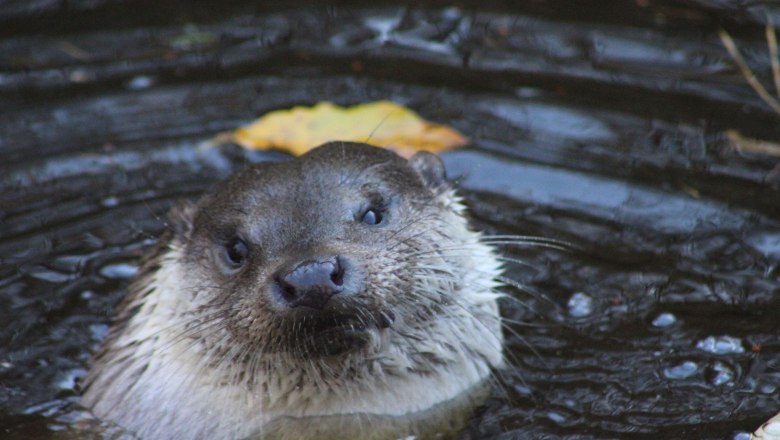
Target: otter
<point>347,281</point>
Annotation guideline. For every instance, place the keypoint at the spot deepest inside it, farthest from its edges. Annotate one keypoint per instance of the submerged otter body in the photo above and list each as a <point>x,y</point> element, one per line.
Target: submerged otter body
<point>344,282</point>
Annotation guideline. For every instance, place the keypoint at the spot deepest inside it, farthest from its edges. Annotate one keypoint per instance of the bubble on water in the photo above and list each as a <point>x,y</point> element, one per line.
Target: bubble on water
<point>768,388</point>
<point>719,374</point>
<point>580,304</point>
<point>721,345</point>
<point>69,378</point>
<point>87,294</point>
<point>664,320</point>
<point>741,436</point>
<point>382,26</point>
<point>681,371</point>
<point>119,270</point>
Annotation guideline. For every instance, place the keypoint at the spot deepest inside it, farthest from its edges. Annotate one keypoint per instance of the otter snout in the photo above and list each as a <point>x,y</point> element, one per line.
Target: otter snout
<point>312,283</point>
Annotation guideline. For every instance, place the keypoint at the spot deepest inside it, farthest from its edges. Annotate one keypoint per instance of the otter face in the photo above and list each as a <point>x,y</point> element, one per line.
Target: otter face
<point>315,257</point>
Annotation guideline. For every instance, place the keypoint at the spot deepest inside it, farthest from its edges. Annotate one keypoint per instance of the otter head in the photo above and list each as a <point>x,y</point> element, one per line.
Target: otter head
<point>313,257</point>
<point>344,281</point>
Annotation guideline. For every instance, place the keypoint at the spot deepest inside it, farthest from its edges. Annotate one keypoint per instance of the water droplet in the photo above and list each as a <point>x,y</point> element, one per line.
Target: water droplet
<point>664,320</point>
<point>141,82</point>
<point>87,294</point>
<point>768,388</point>
<point>741,436</point>
<point>556,417</point>
<point>109,202</point>
<point>119,270</point>
<point>681,371</point>
<point>580,305</point>
<point>522,389</point>
<point>721,345</point>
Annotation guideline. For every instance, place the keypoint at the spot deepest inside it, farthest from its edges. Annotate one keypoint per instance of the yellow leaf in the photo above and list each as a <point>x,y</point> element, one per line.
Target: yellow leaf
<point>382,123</point>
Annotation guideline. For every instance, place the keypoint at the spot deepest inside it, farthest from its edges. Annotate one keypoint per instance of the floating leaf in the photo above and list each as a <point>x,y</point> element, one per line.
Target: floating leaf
<point>382,123</point>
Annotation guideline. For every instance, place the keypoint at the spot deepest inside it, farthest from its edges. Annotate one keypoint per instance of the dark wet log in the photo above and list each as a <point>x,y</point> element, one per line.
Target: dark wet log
<point>652,80</point>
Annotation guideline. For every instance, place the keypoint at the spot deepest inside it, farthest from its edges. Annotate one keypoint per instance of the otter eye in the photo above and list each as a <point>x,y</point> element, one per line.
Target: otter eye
<point>372,217</point>
<point>235,252</point>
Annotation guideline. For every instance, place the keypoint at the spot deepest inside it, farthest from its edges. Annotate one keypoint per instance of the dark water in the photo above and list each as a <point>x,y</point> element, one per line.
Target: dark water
<point>600,123</point>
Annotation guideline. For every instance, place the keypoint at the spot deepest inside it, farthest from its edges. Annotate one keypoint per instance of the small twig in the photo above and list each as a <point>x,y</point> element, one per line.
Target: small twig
<point>746,72</point>
<point>370,135</point>
<point>771,40</point>
<point>742,144</point>
<point>74,51</point>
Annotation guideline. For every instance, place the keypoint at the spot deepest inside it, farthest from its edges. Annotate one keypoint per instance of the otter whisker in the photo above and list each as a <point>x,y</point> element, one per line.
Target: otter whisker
<point>520,287</point>
<point>404,227</point>
<point>528,238</point>
<point>407,239</point>
<point>464,255</point>
<point>472,246</point>
<point>530,244</point>
<point>514,333</point>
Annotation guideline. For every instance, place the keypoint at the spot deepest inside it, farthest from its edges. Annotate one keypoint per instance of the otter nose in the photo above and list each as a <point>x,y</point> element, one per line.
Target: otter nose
<point>312,283</point>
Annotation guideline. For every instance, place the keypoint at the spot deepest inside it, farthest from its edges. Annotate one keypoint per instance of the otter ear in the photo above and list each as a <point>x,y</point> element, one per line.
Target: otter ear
<point>430,168</point>
<point>181,217</point>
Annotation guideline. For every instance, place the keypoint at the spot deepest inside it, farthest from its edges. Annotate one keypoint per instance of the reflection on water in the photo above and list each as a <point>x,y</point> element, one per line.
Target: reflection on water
<point>605,198</point>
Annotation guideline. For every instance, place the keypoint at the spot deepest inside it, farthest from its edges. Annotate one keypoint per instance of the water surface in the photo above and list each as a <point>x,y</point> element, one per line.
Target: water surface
<point>602,126</point>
